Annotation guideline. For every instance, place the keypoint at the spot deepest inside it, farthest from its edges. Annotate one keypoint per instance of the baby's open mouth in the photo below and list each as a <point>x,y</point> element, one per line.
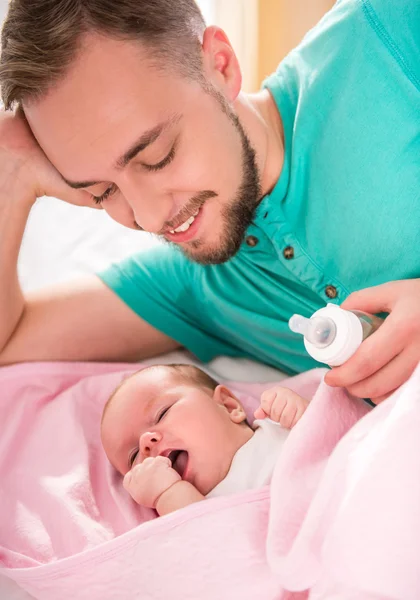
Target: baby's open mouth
<point>179,460</point>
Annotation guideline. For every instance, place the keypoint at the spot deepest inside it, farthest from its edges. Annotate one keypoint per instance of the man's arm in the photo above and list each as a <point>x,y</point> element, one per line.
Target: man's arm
<point>12,225</point>
<point>83,320</point>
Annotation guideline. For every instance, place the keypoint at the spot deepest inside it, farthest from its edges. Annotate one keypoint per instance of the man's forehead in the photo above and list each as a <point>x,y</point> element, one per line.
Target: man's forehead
<point>109,91</point>
<point>141,142</point>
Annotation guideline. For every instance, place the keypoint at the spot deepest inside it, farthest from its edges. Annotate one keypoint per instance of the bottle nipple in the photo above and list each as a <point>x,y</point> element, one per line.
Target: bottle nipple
<point>319,331</point>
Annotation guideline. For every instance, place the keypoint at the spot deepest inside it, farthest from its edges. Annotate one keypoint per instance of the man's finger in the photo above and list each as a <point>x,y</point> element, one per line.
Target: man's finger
<point>386,380</point>
<point>380,399</point>
<point>380,298</point>
<point>375,352</point>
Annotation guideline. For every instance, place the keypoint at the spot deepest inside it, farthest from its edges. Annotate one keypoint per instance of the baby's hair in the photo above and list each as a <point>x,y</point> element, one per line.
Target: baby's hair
<point>188,373</point>
<point>193,374</point>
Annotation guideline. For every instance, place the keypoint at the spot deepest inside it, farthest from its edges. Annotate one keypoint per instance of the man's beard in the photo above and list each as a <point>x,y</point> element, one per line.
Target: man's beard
<point>238,215</point>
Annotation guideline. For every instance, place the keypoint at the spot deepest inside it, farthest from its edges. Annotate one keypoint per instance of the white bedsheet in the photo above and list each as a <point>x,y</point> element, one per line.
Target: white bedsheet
<point>62,241</point>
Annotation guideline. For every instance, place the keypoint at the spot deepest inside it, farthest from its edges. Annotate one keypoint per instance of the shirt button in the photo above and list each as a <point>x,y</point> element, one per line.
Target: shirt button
<point>289,252</point>
<point>251,241</point>
<point>331,291</point>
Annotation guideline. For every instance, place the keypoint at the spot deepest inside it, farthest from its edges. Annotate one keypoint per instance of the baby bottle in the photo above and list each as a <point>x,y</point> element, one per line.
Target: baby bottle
<point>332,335</point>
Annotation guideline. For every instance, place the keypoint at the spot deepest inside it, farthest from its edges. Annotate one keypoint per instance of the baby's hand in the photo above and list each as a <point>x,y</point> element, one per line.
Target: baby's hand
<point>281,405</point>
<point>147,481</point>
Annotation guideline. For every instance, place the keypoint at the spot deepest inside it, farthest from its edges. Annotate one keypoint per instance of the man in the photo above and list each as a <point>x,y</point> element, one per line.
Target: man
<point>272,204</point>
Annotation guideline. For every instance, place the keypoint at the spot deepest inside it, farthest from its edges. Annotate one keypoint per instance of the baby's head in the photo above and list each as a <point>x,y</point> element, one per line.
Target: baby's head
<point>176,411</point>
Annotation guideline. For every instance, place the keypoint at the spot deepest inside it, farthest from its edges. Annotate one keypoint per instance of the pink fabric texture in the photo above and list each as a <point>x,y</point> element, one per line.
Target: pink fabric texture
<point>342,512</point>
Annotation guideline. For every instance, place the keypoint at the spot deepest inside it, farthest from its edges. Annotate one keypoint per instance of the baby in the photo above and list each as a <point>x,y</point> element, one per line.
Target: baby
<point>178,436</point>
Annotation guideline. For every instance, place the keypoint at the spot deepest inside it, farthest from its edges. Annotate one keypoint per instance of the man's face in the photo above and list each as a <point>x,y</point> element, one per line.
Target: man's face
<point>160,151</point>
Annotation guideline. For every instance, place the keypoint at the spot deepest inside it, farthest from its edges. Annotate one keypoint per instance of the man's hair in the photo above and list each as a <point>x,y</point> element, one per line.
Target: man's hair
<point>188,373</point>
<point>41,38</point>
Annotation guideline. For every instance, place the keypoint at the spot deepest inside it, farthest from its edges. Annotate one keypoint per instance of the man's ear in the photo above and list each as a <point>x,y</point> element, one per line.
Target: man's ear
<point>220,63</point>
<point>223,396</point>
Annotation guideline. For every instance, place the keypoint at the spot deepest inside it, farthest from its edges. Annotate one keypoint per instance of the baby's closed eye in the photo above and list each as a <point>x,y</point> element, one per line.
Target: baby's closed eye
<point>133,457</point>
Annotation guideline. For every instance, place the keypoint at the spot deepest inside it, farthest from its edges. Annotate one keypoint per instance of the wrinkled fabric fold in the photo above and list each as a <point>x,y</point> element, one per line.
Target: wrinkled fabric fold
<point>341,513</point>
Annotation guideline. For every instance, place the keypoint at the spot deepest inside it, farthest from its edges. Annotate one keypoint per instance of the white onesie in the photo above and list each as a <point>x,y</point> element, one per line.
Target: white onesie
<point>253,465</point>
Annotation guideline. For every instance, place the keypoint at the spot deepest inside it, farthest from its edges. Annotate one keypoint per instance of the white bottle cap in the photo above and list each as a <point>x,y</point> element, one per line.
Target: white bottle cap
<point>348,335</point>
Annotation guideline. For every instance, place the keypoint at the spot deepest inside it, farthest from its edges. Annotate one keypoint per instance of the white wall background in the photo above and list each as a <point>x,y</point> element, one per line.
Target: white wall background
<point>3,9</point>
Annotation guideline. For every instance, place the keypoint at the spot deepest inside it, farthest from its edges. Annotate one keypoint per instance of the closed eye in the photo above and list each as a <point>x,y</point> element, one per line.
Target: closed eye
<point>162,414</point>
<point>135,452</point>
<point>133,457</point>
<point>108,192</point>
<point>163,163</point>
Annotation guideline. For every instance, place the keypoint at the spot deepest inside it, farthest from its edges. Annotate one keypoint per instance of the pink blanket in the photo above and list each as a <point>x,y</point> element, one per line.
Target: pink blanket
<point>341,520</point>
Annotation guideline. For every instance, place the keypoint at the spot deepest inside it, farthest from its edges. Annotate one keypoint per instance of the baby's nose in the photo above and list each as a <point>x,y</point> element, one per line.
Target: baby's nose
<point>148,443</point>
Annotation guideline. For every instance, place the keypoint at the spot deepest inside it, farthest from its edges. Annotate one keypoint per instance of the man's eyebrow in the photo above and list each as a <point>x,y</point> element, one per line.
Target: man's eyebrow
<point>77,185</point>
<point>145,140</point>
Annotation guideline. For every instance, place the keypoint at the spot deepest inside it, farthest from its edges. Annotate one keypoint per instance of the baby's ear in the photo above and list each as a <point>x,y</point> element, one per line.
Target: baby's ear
<point>223,396</point>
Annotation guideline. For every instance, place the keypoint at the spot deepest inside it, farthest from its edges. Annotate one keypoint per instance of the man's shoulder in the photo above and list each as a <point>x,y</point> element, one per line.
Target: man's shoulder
<point>342,34</point>
<point>397,26</point>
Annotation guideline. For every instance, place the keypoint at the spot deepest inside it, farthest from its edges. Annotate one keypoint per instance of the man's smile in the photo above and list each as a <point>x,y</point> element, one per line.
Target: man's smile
<point>187,230</point>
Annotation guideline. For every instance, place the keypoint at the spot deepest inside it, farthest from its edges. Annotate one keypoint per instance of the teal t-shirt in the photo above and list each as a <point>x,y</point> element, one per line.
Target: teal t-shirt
<point>344,215</point>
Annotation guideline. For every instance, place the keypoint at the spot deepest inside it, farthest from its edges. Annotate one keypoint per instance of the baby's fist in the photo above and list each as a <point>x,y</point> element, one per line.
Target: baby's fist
<point>148,480</point>
<point>282,406</point>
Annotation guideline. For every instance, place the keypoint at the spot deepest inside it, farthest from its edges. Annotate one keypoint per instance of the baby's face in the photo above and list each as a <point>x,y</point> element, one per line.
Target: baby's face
<point>158,413</point>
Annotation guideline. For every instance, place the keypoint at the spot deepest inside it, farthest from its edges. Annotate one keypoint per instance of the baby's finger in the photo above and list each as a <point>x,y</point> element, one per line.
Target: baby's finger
<point>259,413</point>
<point>163,461</point>
<point>278,407</point>
<point>299,412</point>
<point>267,399</point>
<point>288,416</point>
<point>127,480</point>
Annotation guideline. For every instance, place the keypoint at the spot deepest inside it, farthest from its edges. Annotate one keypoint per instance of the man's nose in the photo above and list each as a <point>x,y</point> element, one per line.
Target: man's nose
<point>151,208</point>
<point>149,443</point>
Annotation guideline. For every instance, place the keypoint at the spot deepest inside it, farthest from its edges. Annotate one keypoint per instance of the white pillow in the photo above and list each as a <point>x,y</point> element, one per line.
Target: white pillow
<point>63,241</point>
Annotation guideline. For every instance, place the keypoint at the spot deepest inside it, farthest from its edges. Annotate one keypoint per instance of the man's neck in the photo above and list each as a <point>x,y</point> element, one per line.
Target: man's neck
<point>262,122</point>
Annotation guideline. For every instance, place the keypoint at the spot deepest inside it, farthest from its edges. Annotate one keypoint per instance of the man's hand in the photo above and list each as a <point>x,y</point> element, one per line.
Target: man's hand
<point>281,405</point>
<point>25,171</point>
<point>387,358</point>
<point>147,481</point>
